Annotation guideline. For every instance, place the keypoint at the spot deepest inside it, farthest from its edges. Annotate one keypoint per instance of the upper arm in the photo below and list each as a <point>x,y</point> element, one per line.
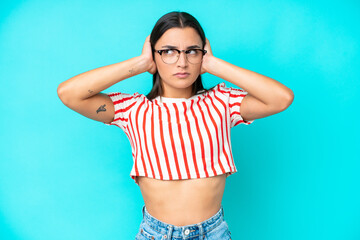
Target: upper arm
<point>99,107</point>
<point>244,108</point>
<point>253,108</point>
<point>110,108</point>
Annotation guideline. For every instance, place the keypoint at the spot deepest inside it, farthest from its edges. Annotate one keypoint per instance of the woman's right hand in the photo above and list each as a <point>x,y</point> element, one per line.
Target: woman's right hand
<point>147,55</point>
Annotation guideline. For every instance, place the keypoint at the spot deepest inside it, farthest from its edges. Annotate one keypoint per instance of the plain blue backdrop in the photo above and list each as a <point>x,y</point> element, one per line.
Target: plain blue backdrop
<point>64,176</point>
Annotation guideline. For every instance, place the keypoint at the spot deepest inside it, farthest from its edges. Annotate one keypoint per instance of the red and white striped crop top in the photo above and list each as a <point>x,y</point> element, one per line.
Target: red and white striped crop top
<point>179,138</point>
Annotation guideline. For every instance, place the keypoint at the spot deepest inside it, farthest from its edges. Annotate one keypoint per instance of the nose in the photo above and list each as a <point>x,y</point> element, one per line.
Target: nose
<point>182,61</point>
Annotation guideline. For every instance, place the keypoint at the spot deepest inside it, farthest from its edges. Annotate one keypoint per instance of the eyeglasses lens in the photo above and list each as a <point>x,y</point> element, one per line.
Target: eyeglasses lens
<point>171,56</point>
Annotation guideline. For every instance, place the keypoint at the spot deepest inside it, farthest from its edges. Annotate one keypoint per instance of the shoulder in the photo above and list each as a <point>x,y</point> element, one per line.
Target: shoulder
<point>123,95</point>
<point>222,87</point>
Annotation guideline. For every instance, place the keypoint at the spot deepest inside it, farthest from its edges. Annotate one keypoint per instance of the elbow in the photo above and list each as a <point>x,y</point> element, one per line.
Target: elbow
<point>288,100</point>
<point>61,92</point>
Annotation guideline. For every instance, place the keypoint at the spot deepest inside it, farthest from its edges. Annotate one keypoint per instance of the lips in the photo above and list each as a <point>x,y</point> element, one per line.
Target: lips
<point>181,73</point>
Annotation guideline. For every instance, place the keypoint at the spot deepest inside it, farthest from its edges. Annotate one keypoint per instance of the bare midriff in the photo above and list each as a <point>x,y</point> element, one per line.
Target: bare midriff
<point>182,202</point>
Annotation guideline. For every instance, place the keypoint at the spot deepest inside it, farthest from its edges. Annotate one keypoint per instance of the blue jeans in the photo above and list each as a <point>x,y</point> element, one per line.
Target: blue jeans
<point>213,228</point>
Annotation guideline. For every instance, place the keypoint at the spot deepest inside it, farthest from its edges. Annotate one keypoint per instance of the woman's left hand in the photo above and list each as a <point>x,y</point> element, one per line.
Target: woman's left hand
<point>206,58</point>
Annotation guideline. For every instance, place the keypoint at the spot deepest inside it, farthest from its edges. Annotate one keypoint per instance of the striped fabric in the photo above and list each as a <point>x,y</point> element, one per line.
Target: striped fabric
<point>178,138</point>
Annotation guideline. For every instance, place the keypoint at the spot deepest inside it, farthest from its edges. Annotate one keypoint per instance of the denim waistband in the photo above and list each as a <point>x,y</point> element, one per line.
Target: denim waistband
<point>183,232</point>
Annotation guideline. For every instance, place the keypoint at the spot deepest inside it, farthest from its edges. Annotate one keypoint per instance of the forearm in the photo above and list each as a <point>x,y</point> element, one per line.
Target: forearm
<point>266,89</point>
<point>89,83</point>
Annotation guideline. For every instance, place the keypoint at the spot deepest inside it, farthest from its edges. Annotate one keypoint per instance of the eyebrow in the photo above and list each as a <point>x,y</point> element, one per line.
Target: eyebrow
<point>190,47</point>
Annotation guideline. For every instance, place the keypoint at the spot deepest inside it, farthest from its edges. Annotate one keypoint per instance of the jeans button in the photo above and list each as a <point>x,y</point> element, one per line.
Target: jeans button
<point>187,231</point>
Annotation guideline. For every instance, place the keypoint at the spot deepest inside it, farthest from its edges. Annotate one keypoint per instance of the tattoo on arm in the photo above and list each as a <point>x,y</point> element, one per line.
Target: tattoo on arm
<point>101,108</point>
<point>90,91</point>
<point>131,71</point>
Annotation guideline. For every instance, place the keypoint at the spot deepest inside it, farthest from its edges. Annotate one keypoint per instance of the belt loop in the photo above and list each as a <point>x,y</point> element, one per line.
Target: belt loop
<point>201,231</point>
<point>169,233</point>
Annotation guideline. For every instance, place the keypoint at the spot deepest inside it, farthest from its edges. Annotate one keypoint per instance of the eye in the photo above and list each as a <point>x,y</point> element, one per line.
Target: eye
<point>168,51</point>
<point>192,51</point>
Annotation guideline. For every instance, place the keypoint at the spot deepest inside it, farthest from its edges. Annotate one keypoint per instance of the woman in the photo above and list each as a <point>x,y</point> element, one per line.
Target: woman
<point>179,132</point>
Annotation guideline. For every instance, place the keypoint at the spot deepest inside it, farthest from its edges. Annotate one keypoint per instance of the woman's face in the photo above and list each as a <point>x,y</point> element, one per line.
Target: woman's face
<point>180,38</point>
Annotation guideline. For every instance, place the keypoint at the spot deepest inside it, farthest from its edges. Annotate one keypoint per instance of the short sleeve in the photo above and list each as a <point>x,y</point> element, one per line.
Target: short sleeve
<point>123,104</point>
<point>235,97</point>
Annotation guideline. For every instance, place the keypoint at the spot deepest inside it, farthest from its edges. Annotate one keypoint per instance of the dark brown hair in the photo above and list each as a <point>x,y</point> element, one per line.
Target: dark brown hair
<point>175,19</point>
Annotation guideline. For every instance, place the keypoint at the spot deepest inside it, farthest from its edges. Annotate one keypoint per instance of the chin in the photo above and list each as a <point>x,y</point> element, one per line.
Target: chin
<point>183,83</point>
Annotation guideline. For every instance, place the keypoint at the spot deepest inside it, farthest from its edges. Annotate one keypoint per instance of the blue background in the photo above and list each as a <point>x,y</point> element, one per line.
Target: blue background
<point>64,176</point>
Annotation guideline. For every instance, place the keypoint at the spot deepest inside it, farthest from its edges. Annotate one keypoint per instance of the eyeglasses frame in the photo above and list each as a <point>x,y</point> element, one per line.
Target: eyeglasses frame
<point>179,51</point>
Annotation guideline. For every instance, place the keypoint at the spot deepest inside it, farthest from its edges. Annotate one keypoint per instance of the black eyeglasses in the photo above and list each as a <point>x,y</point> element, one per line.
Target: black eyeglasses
<point>170,56</point>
